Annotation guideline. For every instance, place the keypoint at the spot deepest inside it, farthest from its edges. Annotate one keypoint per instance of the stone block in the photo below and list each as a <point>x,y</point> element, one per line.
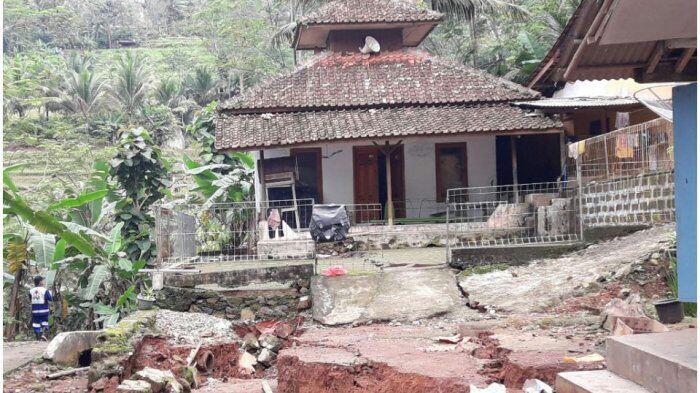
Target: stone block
<point>595,382</point>
<point>131,386</point>
<point>398,295</point>
<point>660,362</point>
<point>157,379</point>
<point>66,347</point>
<point>286,249</point>
<point>508,215</point>
<point>559,216</point>
<point>539,200</point>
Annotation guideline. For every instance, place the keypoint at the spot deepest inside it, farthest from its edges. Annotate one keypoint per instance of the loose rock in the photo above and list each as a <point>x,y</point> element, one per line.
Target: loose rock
<point>247,315</point>
<point>270,341</point>
<point>131,386</point>
<point>266,356</point>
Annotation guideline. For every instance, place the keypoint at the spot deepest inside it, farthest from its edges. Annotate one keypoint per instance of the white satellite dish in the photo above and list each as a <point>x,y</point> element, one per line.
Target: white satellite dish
<point>371,45</point>
<point>659,99</point>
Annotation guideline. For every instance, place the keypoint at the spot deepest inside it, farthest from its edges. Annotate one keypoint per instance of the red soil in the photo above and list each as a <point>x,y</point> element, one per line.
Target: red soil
<point>155,352</point>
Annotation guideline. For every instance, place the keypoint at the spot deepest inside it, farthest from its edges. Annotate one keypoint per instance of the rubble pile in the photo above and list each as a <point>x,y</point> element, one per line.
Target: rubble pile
<point>191,328</point>
<point>262,342</point>
<point>336,248</point>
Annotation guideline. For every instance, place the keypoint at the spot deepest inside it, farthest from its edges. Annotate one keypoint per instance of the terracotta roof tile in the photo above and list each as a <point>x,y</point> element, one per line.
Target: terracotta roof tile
<point>407,76</point>
<point>370,11</point>
<point>249,131</point>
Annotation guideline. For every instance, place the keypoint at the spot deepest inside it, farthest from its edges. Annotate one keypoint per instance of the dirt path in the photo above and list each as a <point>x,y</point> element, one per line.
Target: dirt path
<point>17,354</point>
<point>546,282</point>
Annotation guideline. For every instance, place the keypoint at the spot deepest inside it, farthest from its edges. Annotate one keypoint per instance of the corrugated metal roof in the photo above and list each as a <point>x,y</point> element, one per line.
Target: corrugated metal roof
<point>612,61</point>
<point>578,102</point>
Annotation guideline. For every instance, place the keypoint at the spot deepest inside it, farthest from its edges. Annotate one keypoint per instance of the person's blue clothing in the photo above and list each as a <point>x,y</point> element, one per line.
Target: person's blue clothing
<point>40,298</point>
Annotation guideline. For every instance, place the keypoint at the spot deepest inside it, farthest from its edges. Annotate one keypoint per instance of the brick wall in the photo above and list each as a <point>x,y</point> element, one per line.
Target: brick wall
<point>642,199</point>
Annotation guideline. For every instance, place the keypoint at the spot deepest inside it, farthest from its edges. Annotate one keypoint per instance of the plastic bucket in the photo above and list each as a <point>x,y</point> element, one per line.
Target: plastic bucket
<point>670,311</point>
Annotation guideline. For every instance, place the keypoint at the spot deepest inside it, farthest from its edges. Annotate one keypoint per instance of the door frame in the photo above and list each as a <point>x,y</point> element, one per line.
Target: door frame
<point>402,183</point>
<point>319,166</point>
<point>462,146</point>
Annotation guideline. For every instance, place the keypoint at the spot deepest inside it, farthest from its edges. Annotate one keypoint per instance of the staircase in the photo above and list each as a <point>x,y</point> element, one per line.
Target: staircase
<point>641,363</point>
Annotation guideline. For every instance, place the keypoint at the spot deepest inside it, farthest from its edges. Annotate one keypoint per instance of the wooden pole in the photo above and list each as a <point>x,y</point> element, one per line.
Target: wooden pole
<point>389,199</point>
<point>514,165</point>
<point>67,372</point>
<point>263,185</point>
<point>562,154</point>
<point>387,149</point>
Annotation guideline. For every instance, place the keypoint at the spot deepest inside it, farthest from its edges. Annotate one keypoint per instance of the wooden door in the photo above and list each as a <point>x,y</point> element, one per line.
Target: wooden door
<point>450,168</point>
<point>366,182</point>
<point>366,175</point>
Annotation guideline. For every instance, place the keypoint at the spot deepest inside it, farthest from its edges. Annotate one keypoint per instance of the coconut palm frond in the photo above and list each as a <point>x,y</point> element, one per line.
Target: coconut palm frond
<point>284,34</point>
<point>467,9</point>
<point>168,92</point>
<point>201,85</point>
<point>515,12</point>
<point>131,85</point>
<point>553,26</point>
<point>82,91</point>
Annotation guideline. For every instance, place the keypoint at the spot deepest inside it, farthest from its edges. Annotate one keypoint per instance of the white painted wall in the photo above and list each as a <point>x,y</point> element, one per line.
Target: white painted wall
<point>419,161</point>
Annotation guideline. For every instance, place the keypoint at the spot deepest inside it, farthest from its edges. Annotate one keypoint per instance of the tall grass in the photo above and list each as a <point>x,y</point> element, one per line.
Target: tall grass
<point>690,309</point>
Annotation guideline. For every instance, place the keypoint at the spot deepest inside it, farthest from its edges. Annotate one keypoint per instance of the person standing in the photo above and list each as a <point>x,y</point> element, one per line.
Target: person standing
<point>40,297</point>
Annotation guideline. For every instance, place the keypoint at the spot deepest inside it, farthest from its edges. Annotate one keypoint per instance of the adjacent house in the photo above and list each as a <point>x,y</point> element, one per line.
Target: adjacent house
<point>371,119</point>
<point>649,41</point>
<point>591,108</point>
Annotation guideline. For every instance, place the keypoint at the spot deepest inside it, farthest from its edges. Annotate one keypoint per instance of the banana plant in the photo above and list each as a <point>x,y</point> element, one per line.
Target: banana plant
<point>64,238</point>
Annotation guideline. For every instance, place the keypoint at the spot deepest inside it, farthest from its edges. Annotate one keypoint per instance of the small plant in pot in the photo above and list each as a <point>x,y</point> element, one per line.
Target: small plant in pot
<point>146,298</point>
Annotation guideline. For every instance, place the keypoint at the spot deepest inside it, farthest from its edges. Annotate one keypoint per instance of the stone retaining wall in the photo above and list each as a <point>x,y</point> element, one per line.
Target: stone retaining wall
<point>643,199</point>
<point>234,277</point>
<point>230,304</point>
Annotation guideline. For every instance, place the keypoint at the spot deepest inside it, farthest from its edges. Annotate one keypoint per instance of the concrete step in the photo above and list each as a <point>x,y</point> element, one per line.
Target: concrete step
<point>597,381</point>
<point>660,362</point>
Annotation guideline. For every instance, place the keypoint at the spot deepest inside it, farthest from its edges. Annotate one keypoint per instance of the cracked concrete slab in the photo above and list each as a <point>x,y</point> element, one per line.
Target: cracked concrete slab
<point>404,295</point>
<point>546,282</point>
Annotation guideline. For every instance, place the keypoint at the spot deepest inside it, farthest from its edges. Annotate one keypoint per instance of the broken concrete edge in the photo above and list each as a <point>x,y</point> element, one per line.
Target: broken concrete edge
<point>295,374</point>
<point>67,347</point>
<point>115,345</point>
<point>400,295</point>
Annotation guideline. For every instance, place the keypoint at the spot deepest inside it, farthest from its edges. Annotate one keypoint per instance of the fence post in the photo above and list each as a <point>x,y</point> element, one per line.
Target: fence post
<point>580,196</point>
<point>448,257</point>
<point>607,164</point>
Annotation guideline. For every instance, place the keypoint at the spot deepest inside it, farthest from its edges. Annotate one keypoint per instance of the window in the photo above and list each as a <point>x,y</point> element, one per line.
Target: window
<point>309,183</point>
<point>595,127</point>
<point>450,167</point>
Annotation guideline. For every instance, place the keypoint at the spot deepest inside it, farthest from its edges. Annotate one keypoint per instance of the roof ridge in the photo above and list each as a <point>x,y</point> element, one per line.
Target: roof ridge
<point>355,11</point>
<point>406,75</point>
<point>269,79</point>
<point>505,82</point>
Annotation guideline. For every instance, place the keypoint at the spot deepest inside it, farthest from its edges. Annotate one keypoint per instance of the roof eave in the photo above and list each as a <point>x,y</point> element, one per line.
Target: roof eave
<point>518,131</point>
<point>305,26</point>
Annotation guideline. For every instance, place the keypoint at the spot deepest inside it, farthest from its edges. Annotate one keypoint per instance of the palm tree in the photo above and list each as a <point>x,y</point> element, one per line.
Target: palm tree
<point>461,10</point>
<point>201,85</point>
<point>83,89</point>
<point>471,10</point>
<point>131,85</point>
<point>168,92</point>
<point>555,20</point>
